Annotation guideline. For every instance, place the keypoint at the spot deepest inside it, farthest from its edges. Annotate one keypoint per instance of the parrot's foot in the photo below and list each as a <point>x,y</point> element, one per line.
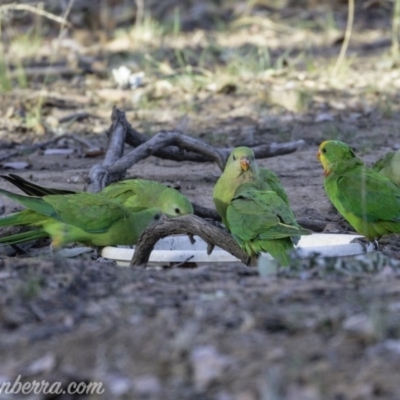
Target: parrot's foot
<point>364,243</point>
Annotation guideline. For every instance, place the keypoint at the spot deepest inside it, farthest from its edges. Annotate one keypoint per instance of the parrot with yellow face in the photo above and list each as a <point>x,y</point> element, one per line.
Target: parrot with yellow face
<point>365,198</point>
<point>256,216</point>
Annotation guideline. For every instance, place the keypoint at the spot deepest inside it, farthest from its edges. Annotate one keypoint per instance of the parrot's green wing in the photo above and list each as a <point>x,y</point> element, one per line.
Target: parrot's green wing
<point>369,201</point>
<point>32,189</point>
<point>383,162</point>
<point>83,210</point>
<point>389,166</point>
<point>144,193</point>
<point>274,183</point>
<point>119,227</point>
<point>125,192</point>
<point>132,193</point>
<point>86,218</point>
<point>262,221</point>
<point>368,195</point>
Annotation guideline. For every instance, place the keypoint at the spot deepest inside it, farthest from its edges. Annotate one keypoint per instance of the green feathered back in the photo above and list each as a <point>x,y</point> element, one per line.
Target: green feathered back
<point>366,199</point>
<point>260,220</point>
<point>274,183</point>
<point>136,194</point>
<point>86,218</point>
<point>389,166</point>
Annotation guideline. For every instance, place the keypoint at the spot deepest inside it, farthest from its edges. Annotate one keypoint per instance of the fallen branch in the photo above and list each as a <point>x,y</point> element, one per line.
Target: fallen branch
<point>165,144</point>
<point>191,225</point>
<point>315,225</point>
<point>135,139</point>
<point>100,175</point>
<point>205,212</point>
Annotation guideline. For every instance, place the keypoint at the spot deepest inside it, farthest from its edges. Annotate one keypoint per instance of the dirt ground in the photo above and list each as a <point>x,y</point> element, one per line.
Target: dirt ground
<point>323,331</point>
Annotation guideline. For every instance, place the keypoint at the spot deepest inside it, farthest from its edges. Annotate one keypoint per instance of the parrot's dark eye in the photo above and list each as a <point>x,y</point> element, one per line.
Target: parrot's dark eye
<point>324,150</point>
<point>177,210</point>
<point>233,158</point>
<point>157,217</point>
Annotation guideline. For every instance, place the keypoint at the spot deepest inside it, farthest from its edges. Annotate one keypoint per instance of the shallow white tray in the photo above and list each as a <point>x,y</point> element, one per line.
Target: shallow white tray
<point>178,248</point>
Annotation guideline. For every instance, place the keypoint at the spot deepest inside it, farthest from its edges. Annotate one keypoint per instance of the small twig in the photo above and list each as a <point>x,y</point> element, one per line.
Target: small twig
<point>139,12</point>
<point>188,224</point>
<point>346,40</point>
<point>35,10</point>
<point>79,140</point>
<point>183,262</point>
<point>395,30</point>
<point>78,116</point>
<point>55,70</point>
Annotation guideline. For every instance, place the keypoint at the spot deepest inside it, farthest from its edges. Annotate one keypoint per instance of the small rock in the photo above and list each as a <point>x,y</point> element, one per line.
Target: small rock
<point>16,165</point>
<point>298,392</point>
<point>276,354</point>
<point>208,365</point>
<point>388,346</point>
<point>56,152</point>
<point>147,385</point>
<point>42,365</point>
<point>246,395</point>
<point>323,117</point>
<point>118,385</point>
<point>360,325</point>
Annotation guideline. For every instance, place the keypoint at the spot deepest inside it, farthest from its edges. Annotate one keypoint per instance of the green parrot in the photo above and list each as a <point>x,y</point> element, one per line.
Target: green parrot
<point>136,194</point>
<point>241,167</point>
<point>260,220</point>
<point>86,218</point>
<point>131,193</point>
<point>389,166</point>
<point>366,199</point>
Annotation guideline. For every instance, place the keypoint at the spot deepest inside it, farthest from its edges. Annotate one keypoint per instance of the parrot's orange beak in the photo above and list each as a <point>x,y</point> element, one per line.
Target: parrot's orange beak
<point>244,164</point>
<point>318,154</point>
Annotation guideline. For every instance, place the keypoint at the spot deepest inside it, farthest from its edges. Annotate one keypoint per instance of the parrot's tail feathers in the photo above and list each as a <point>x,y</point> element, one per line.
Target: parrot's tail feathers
<point>36,204</point>
<point>32,189</point>
<point>23,237</point>
<point>282,231</point>
<point>11,219</point>
<point>279,249</point>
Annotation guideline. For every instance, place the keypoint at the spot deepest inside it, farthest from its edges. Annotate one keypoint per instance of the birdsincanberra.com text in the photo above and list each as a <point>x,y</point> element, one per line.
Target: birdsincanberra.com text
<point>43,387</point>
